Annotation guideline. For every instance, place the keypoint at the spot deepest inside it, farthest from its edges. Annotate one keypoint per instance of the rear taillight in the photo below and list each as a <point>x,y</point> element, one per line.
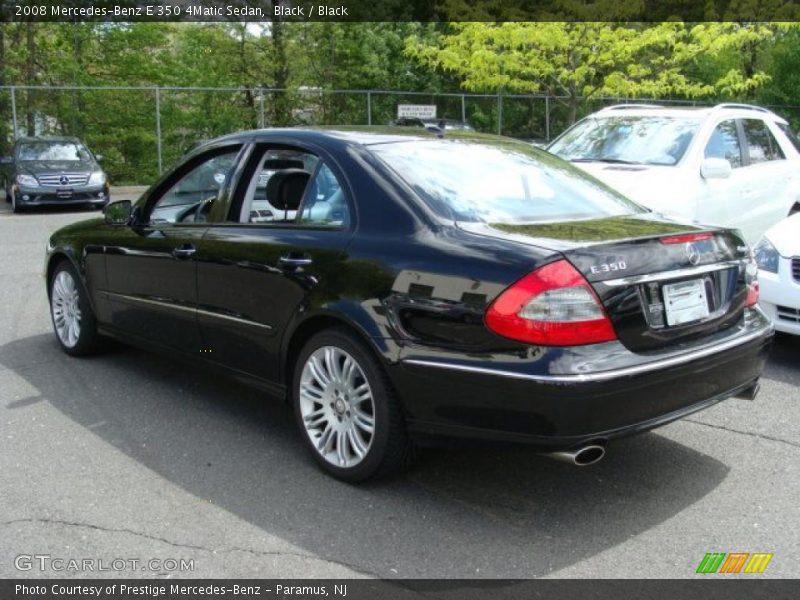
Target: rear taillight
<point>552,306</point>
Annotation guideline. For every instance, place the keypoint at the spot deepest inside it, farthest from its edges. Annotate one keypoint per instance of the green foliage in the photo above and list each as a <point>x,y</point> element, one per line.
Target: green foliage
<point>577,61</point>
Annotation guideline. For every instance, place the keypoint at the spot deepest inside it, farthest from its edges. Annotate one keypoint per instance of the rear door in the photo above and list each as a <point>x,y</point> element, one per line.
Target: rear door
<point>767,175</point>
<point>723,200</point>
<point>152,267</point>
<point>290,221</point>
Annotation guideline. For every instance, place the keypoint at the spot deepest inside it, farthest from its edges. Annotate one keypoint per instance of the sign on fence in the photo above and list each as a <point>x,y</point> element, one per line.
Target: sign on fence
<point>417,111</point>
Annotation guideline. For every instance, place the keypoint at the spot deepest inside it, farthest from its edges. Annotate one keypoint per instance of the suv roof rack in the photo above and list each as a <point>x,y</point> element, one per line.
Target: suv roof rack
<point>630,106</point>
<point>742,106</point>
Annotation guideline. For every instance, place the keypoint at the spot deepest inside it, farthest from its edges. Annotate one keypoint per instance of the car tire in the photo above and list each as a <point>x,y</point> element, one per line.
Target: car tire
<point>73,320</point>
<point>15,207</point>
<point>347,412</point>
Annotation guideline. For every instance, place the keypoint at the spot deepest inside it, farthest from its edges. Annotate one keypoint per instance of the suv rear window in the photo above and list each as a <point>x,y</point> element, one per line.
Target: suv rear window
<point>790,134</point>
<point>761,144</point>
<point>501,182</point>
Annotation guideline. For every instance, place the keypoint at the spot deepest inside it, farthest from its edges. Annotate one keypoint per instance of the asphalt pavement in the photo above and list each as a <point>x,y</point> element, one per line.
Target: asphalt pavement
<point>133,457</point>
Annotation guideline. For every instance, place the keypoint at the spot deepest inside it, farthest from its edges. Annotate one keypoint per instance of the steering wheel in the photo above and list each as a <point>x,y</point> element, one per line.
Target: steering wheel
<point>196,213</point>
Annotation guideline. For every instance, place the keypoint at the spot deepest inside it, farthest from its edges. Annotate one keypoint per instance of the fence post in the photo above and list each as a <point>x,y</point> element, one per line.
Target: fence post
<point>547,118</point>
<point>14,111</point>
<point>158,128</point>
<point>463,109</point>
<point>499,112</point>
<point>369,108</point>
<point>261,121</point>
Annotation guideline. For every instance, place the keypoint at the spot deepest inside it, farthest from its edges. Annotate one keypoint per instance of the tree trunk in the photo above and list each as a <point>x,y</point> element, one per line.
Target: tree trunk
<point>574,101</point>
<point>30,75</point>
<point>280,74</point>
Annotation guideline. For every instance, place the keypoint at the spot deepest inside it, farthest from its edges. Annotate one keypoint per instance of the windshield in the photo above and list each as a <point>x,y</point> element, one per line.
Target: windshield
<point>658,140</point>
<point>52,151</point>
<point>501,182</point>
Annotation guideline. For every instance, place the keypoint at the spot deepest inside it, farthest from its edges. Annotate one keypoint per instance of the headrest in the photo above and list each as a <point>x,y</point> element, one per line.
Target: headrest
<point>277,164</point>
<point>285,188</point>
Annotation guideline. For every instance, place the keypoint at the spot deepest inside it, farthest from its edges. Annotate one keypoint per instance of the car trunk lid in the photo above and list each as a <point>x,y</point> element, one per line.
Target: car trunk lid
<point>660,282</point>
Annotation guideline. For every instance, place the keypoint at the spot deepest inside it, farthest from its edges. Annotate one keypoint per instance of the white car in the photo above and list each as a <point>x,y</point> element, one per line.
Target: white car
<point>733,164</point>
<point>778,258</point>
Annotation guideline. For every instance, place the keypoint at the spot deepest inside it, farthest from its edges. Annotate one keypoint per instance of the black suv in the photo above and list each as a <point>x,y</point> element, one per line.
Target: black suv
<point>53,172</point>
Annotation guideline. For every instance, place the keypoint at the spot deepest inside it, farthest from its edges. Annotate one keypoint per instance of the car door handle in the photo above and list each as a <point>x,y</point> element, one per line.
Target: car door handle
<point>184,251</point>
<point>294,261</point>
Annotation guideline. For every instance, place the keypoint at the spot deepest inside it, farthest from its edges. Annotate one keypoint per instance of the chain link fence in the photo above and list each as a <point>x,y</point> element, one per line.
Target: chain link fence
<point>140,131</point>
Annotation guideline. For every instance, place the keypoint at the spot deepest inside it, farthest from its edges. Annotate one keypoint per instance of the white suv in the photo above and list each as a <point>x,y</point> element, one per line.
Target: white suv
<point>734,165</point>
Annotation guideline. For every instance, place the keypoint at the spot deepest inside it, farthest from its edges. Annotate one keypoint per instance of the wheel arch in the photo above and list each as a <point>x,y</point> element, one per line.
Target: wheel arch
<point>312,324</point>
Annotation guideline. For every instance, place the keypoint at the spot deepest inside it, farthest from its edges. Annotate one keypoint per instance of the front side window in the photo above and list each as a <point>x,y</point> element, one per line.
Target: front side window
<point>191,196</point>
<point>761,144</point>
<point>791,135</point>
<point>38,151</point>
<point>657,140</point>
<point>501,182</point>
<point>724,143</point>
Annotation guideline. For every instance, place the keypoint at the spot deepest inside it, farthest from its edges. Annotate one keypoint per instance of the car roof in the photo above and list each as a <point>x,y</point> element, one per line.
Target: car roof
<point>732,110</point>
<point>349,135</point>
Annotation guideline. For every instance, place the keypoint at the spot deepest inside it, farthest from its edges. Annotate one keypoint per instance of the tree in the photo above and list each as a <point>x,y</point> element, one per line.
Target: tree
<point>577,61</point>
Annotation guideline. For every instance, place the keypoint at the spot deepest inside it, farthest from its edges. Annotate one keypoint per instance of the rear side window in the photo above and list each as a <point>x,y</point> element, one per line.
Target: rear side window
<point>724,143</point>
<point>501,182</point>
<point>761,144</point>
<point>790,134</point>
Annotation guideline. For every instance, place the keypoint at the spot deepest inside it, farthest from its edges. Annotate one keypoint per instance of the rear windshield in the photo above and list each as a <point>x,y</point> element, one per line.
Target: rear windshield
<point>635,140</point>
<point>499,182</point>
<point>52,151</point>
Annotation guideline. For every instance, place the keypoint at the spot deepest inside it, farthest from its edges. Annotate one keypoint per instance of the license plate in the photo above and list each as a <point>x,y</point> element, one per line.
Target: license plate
<point>64,193</point>
<point>685,301</point>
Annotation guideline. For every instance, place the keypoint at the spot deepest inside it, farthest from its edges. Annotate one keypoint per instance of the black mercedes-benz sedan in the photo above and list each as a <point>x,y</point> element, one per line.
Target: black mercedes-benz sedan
<point>53,171</point>
<point>398,286</point>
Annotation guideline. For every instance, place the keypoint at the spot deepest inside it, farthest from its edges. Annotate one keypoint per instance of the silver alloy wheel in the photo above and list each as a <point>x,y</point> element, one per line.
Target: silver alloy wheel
<point>337,407</point>
<point>64,304</point>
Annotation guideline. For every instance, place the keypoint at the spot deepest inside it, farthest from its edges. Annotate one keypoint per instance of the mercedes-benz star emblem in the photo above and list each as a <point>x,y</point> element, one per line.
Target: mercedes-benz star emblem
<point>692,253</point>
<point>64,180</point>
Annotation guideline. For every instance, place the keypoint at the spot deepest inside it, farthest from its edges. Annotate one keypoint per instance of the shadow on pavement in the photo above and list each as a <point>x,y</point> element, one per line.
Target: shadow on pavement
<point>783,360</point>
<point>478,512</point>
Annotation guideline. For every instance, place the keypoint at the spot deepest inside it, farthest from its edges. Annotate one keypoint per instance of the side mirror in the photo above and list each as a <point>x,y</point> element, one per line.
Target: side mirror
<point>99,158</point>
<point>118,213</point>
<point>6,160</point>
<point>715,168</point>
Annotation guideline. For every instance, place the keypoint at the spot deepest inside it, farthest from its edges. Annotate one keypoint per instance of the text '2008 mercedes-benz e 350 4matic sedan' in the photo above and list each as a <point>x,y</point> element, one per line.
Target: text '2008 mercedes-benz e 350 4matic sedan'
<point>398,286</point>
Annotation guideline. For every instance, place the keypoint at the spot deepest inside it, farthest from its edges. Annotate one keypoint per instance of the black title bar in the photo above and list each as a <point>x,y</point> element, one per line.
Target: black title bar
<point>400,10</point>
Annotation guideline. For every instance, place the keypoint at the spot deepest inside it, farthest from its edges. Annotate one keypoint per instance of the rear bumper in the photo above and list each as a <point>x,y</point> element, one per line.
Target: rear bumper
<point>561,398</point>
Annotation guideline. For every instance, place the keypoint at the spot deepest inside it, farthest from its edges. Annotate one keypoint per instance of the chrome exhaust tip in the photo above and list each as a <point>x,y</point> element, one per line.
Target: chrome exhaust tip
<point>582,457</point>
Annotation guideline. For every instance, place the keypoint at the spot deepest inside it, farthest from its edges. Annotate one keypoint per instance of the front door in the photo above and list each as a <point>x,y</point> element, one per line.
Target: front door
<point>152,267</point>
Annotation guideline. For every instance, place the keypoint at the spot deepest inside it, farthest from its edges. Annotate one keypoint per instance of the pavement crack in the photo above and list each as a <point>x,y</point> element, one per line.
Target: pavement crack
<point>106,530</point>
<point>251,551</point>
<point>748,433</point>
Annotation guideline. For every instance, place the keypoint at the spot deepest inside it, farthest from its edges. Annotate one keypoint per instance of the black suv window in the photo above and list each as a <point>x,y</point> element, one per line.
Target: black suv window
<point>761,144</point>
<point>724,143</point>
